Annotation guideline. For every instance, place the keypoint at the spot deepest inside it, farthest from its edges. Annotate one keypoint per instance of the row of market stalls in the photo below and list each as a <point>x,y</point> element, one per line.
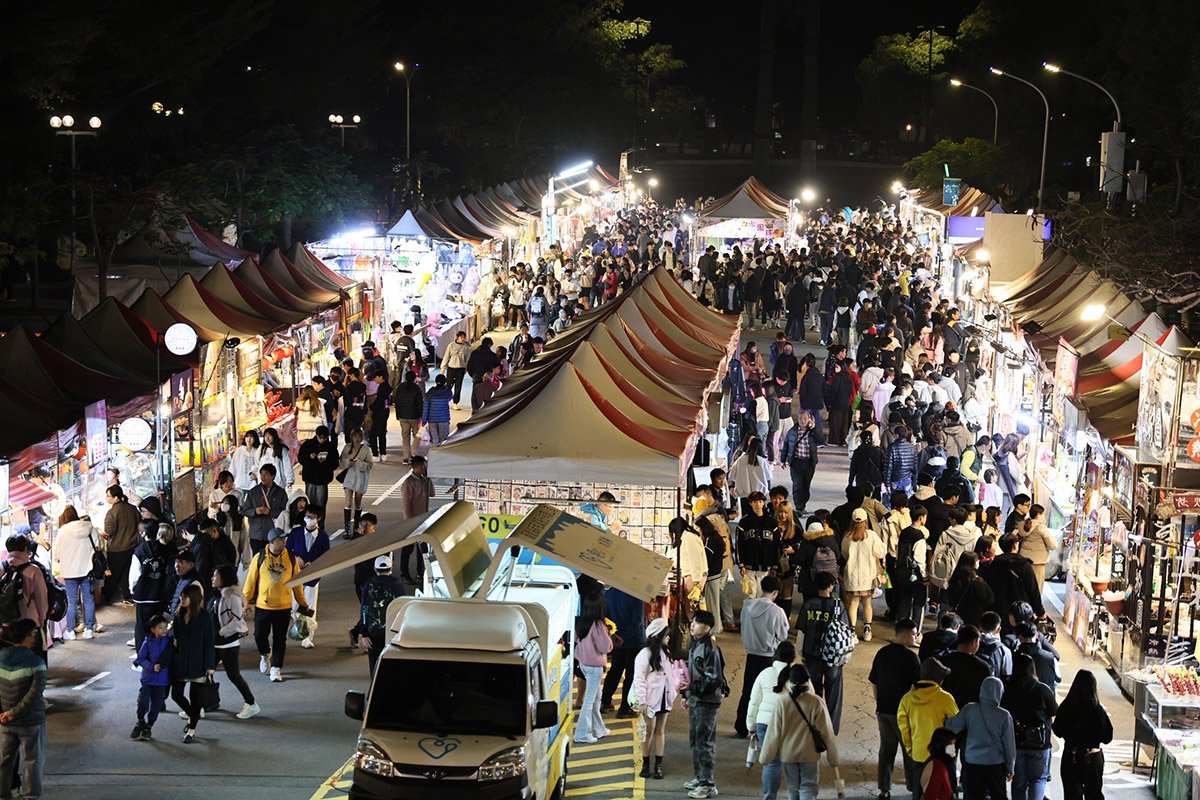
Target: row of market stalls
<point>103,389</point>
<point>616,403</point>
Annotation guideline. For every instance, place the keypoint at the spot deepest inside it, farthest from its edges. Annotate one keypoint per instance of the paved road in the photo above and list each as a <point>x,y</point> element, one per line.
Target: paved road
<point>296,747</point>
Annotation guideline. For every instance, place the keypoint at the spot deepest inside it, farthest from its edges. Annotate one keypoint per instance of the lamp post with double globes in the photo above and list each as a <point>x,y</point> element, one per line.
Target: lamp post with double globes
<point>339,122</point>
<point>65,126</point>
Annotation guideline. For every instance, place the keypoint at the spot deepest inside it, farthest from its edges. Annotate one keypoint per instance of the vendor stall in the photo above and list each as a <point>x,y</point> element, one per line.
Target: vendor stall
<point>749,212</point>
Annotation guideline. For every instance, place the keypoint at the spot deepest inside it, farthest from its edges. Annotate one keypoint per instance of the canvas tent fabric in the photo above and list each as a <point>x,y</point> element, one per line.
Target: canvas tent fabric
<point>750,200</point>
<point>285,273</point>
<point>407,227</point>
<point>619,398</point>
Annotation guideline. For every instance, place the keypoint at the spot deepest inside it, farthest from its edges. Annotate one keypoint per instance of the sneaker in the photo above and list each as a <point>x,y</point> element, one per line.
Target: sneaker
<point>183,714</point>
<point>884,796</point>
<point>78,628</point>
<point>68,636</point>
<point>131,643</point>
<point>135,667</point>
<point>98,628</point>
<point>88,633</point>
<point>867,632</point>
<point>589,740</point>
<point>137,731</point>
<point>189,736</point>
<point>276,675</point>
<point>307,644</point>
<point>263,664</point>
<point>248,710</point>
<point>704,790</point>
<point>144,736</point>
<point>353,639</point>
<point>692,784</point>
<point>606,708</point>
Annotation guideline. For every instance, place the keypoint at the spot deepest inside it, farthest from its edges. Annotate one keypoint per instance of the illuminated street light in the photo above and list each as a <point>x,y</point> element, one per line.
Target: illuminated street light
<point>594,185</point>
<point>1045,129</point>
<point>897,187</point>
<point>982,256</point>
<point>995,108</point>
<point>807,194</point>
<point>548,200</point>
<point>338,121</point>
<point>407,74</point>
<point>62,127</point>
<point>1112,143</point>
<point>1093,312</point>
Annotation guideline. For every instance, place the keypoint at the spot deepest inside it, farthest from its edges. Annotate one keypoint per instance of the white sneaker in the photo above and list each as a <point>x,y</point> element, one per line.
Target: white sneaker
<point>248,710</point>
<point>68,636</point>
<point>183,714</point>
<point>383,458</point>
<point>276,675</point>
<point>131,643</point>
<point>78,628</point>
<point>307,644</point>
<point>263,665</point>
<point>88,633</point>
<point>98,629</point>
<point>866,632</point>
<point>135,667</point>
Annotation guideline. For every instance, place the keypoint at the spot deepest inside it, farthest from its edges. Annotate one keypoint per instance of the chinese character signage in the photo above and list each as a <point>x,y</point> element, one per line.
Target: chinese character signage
<point>951,189</point>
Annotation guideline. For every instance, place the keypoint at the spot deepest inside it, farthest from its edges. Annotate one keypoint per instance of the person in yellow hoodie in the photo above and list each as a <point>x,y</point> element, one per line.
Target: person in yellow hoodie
<point>923,710</point>
<point>266,590</point>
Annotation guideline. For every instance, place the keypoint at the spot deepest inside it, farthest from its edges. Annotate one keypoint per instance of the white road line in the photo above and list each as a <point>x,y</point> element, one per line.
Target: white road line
<point>90,681</point>
<point>391,489</point>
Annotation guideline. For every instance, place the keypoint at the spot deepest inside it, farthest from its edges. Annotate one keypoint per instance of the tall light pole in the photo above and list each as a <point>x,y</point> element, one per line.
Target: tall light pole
<point>406,74</point>
<point>339,122</point>
<point>548,203</point>
<point>995,108</point>
<point>650,191</point>
<point>1112,144</point>
<point>64,126</point>
<point>1045,130</point>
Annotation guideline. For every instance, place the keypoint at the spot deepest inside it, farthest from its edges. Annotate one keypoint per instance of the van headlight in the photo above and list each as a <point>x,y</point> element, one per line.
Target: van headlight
<point>370,758</point>
<point>505,764</point>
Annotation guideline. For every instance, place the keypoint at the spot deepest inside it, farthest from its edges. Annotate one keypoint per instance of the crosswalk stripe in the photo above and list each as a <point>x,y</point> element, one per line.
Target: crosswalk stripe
<point>583,777</point>
<point>581,791</point>
<point>617,756</point>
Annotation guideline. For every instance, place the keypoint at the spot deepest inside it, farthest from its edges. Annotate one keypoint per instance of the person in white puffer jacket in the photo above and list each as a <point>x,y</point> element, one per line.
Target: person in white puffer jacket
<point>763,699</point>
<point>73,549</point>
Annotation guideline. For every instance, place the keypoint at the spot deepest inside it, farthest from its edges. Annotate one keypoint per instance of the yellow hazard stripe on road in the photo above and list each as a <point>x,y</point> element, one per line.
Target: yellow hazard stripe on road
<point>338,784</point>
<point>608,770</point>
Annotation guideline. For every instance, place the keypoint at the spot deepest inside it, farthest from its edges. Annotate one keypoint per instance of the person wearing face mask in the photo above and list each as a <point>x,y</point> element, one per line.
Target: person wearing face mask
<point>938,774</point>
<point>224,505</point>
<point>307,542</point>
<point>266,589</point>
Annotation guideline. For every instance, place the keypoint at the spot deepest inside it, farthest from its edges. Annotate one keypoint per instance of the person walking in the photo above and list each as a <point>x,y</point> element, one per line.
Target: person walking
<point>799,452</point>
<point>355,464</point>
<point>268,500</point>
<point>194,659</point>
<point>415,491</point>
<point>654,686</point>
<point>799,731</point>
<point>73,549</point>
<point>1036,543</point>
<point>764,626</point>
<point>863,552</point>
<point>922,712</point>
<point>318,462</point>
<point>989,751</point>
<point>1032,706</point>
<point>376,595</point>
<point>151,578</point>
<point>629,615</point>
<point>454,363</point>
<point>894,672</point>
<point>1011,578</point>
<point>967,670</point>
<point>705,692</point>
<point>266,589</point>
<point>228,609</point>
<point>379,403</point>
<point>23,720</point>
<point>908,575</point>
<point>763,699</point>
<point>757,544</point>
<point>592,646</point>
<point>1084,726</point>
<point>308,542</point>
<point>815,618</point>
<point>436,415</point>
<point>967,593</point>
<point>154,661</point>
<point>715,550</point>
<point>938,777</point>
<point>276,454</point>
<point>409,402</point>
<point>121,538</point>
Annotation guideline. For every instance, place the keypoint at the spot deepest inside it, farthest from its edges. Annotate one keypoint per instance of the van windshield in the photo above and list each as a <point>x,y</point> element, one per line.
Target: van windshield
<point>445,697</point>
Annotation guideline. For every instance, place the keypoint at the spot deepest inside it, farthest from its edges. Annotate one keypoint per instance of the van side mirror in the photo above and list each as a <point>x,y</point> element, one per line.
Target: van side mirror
<point>545,715</point>
<point>356,704</point>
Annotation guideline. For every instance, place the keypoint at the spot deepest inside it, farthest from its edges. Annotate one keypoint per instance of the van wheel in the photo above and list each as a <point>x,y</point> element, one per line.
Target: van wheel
<point>560,790</point>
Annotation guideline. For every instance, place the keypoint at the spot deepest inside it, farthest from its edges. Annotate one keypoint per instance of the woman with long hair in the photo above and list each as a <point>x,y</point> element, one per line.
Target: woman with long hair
<point>863,552</point>
<point>763,699</point>
<point>753,367</point>
<point>244,461</point>
<point>654,687</point>
<point>195,660</point>
<point>789,549</point>
<point>274,451</point>
<point>991,520</point>
<point>938,773</point>
<point>967,593</point>
<point>750,472</point>
<point>310,412</point>
<point>356,461</point>
<point>1084,727</point>
<point>799,720</point>
<point>592,646</point>
<point>73,548</point>
<point>1036,542</point>
<point>1032,706</point>
<point>228,608</point>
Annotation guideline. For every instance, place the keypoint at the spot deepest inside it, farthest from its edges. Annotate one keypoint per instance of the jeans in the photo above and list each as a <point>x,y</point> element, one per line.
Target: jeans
<point>726,598</point>
<point>773,772</point>
<point>30,740</point>
<point>712,599</point>
<point>1031,774</point>
<point>438,431</point>
<point>227,657</point>
<point>754,666</point>
<point>889,743</point>
<point>270,625</point>
<point>455,376</point>
<point>802,476</point>
<point>827,683</point>
<point>702,737</point>
<point>150,704</point>
<point>1082,775</point>
<point>985,781</point>
<point>622,664</point>
<point>590,725</point>
<point>803,779</point>
<point>826,328</point>
<point>74,585</point>
<point>317,494</point>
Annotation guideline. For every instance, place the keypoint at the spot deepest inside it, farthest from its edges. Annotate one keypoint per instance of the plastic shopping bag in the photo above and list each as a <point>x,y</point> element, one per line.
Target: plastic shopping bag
<point>302,628</point>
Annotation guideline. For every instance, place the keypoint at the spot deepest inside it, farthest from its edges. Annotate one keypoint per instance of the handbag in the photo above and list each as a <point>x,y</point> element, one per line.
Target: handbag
<point>341,476</point>
<point>207,694</point>
<point>818,739</point>
<point>99,562</point>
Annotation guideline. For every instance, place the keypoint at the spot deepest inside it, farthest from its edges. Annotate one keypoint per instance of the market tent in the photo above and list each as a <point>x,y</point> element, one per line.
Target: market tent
<point>407,227</point>
<point>751,200</point>
<point>67,335</point>
<point>30,419</point>
<point>235,293</point>
<point>314,269</point>
<point>285,273</point>
<point>265,286</point>
<point>49,372</point>
<point>201,308</point>
<point>219,248</point>
<point>151,307</point>
<point>130,340</point>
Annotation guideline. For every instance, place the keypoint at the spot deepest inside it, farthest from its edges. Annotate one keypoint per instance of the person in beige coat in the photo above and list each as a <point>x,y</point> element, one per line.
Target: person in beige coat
<point>1037,542</point>
<point>790,733</point>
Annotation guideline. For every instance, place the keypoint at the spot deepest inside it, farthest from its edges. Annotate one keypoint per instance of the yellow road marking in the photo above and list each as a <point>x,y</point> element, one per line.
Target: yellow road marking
<point>338,784</point>
<point>604,773</point>
<point>580,791</point>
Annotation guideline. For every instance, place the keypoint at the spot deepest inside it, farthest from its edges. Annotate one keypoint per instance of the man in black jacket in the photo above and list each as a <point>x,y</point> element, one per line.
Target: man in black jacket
<point>967,670</point>
<point>938,507</point>
<point>409,402</point>
<point>1011,578</point>
<point>318,460</point>
<point>212,548</point>
<point>706,690</point>
<point>482,360</point>
<point>937,642</point>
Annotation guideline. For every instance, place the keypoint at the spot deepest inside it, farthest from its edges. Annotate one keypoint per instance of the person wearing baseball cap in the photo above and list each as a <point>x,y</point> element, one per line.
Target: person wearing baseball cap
<point>654,685</point>
<point>376,595</point>
<point>266,589</point>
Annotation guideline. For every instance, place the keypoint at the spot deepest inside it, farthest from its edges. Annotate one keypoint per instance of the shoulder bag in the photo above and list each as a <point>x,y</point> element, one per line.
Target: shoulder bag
<point>818,739</point>
<point>99,561</point>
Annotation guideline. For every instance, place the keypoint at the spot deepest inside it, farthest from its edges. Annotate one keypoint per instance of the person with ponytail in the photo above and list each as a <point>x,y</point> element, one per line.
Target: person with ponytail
<point>799,731</point>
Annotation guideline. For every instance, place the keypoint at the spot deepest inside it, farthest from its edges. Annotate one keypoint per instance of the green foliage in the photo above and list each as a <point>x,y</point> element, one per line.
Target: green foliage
<point>895,75</point>
<point>976,161</point>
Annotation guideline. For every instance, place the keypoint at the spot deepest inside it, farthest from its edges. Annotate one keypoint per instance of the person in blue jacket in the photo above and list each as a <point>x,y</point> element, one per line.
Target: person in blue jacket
<point>629,614</point>
<point>154,660</point>
<point>990,754</point>
<point>308,542</point>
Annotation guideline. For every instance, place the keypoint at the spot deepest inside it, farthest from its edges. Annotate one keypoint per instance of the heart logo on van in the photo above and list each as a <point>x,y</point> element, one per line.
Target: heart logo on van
<point>436,747</point>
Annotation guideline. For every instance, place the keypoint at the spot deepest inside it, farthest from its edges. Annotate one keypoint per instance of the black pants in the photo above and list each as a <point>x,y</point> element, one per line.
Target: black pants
<point>190,707</point>
<point>377,440</point>
<point>141,620</point>
<point>1082,775</point>
<point>407,553</point>
<point>270,625</point>
<point>455,375</point>
<point>802,477</point>
<point>227,657</point>
<point>256,545</point>
<point>755,664</point>
<point>622,664</point>
<point>839,427</point>
<point>377,645</point>
<point>116,585</point>
<point>985,781</point>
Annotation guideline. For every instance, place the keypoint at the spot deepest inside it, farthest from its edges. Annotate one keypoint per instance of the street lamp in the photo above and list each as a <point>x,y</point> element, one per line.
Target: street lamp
<point>406,74</point>
<point>548,203</point>
<point>807,194</point>
<point>63,126</point>
<point>1112,143</point>
<point>339,122</point>
<point>650,192</point>
<point>995,108</point>
<point>1045,130</point>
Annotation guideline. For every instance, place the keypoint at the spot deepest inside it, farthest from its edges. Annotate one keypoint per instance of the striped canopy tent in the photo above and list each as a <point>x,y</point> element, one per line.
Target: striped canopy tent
<point>750,200</point>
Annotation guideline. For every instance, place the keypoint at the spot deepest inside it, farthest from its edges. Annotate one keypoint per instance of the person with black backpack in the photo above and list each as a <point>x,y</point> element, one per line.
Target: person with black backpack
<point>908,574</point>
<point>24,591</point>
<point>1033,706</point>
<point>377,593</point>
<point>151,577</point>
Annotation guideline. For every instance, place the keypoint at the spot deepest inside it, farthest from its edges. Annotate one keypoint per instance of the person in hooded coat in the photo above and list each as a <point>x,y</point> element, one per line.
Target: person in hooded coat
<point>1032,706</point>
<point>990,752</point>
